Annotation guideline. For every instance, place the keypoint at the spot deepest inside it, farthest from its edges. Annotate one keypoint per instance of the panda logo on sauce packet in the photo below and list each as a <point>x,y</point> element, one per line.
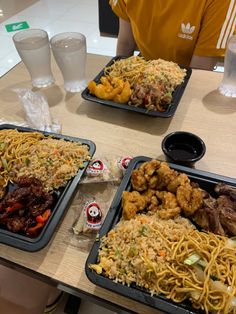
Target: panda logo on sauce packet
<point>93,215</point>
<point>123,163</point>
<point>96,168</point>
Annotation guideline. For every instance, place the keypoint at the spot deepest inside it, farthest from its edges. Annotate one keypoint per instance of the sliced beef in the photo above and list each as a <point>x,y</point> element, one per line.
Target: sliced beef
<point>224,189</point>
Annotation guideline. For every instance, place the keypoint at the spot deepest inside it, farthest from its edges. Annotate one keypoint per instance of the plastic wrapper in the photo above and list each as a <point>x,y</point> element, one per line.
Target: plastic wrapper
<point>121,164</point>
<point>106,169</point>
<point>4,121</point>
<point>89,209</point>
<point>91,216</point>
<point>37,111</point>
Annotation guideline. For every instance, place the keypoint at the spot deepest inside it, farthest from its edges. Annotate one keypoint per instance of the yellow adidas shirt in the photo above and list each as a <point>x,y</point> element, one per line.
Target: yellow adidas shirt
<point>175,30</point>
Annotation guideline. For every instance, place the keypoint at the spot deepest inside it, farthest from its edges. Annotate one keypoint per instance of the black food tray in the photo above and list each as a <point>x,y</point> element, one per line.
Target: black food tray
<point>62,196</point>
<point>205,180</point>
<point>177,94</point>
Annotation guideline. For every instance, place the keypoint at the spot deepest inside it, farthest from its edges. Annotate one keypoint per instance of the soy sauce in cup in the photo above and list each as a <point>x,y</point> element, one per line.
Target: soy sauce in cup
<point>183,148</point>
<point>182,151</point>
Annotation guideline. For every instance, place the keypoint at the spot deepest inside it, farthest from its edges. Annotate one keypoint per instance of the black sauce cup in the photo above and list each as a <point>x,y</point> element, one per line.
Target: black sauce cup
<point>183,148</point>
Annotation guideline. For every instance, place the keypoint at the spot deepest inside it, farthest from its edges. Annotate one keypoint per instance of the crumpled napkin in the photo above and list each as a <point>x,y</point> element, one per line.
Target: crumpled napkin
<point>37,111</point>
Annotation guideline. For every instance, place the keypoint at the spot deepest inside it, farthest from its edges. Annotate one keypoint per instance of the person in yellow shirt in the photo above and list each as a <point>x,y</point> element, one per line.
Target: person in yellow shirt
<point>188,32</point>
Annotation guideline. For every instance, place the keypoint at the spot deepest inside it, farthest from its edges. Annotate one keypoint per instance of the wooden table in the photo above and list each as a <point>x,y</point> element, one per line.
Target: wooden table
<point>202,110</point>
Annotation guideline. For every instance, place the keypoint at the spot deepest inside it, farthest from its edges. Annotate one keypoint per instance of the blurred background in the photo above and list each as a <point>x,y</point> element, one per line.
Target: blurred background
<point>57,16</point>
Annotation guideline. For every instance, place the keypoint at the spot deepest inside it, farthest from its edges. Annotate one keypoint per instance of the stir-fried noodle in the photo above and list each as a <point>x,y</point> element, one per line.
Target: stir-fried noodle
<point>53,161</point>
<point>172,258</point>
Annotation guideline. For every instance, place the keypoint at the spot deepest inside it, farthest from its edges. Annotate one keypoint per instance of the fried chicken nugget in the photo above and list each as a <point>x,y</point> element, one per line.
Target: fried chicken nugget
<point>190,199</point>
<point>143,177</point>
<point>181,179</point>
<point>169,207</point>
<point>152,201</point>
<point>132,202</point>
<point>138,181</point>
<point>150,167</point>
<point>157,175</point>
<point>165,176</point>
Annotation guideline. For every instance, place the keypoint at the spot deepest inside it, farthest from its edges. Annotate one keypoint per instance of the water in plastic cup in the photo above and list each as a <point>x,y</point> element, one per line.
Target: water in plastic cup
<point>228,84</point>
<point>34,49</point>
<point>70,52</point>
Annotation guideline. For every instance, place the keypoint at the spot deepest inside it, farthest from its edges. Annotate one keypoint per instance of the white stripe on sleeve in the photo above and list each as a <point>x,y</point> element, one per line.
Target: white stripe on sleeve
<point>231,23</point>
<point>228,15</point>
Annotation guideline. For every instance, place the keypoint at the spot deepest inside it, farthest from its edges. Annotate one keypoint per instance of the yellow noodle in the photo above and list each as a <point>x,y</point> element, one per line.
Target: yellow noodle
<point>136,69</point>
<point>168,274</point>
<point>32,153</point>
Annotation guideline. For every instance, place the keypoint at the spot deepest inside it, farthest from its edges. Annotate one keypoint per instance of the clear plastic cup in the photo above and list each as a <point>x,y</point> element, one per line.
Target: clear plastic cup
<point>70,52</point>
<point>33,47</point>
<point>228,84</point>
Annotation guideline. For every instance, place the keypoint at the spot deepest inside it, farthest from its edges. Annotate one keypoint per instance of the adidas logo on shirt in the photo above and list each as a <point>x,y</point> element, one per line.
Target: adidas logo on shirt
<point>186,31</point>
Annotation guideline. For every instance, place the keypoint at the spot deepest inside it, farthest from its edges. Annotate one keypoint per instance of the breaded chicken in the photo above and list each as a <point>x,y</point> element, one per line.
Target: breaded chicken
<point>152,201</point>
<point>180,179</point>
<point>190,199</point>
<point>138,181</point>
<point>156,175</point>
<point>158,183</point>
<point>132,202</point>
<point>165,176</point>
<point>144,177</point>
<point>169,207</point>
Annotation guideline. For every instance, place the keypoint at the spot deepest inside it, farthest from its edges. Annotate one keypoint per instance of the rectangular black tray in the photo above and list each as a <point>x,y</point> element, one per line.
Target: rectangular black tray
<point>177,94</point>
<point>205,180</point>
<point>63,197</point>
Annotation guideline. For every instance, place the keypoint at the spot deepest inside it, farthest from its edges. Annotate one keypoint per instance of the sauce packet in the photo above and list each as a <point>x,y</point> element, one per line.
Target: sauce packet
<point>87,213</point>
<point>91,217</point>
<point>106,169</point>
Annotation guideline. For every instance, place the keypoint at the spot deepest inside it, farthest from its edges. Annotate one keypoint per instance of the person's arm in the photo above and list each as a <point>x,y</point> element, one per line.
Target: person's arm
<point>216,26</point>
<point>126,43</point>
<point>204,63</point>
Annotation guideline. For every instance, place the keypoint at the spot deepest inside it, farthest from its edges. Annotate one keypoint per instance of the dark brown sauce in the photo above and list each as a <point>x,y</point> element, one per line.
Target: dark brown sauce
<point>179,151</point>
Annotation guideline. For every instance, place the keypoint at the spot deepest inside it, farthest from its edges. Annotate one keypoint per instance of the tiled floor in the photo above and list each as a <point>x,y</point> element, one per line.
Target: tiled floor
<point>54,16</point>
<point>8,8</point>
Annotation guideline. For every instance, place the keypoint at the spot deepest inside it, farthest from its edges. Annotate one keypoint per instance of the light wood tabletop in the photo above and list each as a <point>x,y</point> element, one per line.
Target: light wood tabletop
<point>202,110</point>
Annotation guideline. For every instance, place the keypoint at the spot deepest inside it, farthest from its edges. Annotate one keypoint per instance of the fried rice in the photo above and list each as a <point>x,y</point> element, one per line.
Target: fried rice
<point>124,250</point>
<point>53,161</point>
